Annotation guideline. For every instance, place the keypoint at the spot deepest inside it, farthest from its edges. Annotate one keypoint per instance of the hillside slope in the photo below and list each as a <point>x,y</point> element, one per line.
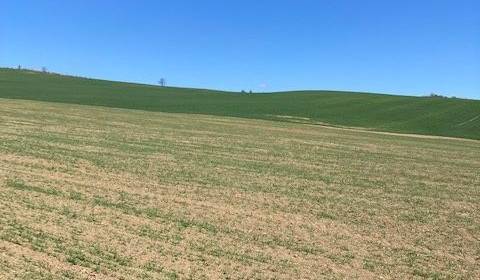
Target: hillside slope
<point>432,116</point>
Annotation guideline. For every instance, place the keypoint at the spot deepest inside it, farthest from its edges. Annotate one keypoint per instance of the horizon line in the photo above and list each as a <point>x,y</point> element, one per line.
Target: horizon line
<point>346,91</point>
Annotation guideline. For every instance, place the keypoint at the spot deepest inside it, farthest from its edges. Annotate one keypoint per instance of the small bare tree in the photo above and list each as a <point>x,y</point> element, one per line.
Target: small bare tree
<point>44,69</point>
<point>19,67</point>
<point>162,82</point>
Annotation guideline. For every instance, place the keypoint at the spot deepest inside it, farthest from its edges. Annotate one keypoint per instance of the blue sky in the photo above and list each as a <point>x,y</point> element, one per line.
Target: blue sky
<point>404,47</point>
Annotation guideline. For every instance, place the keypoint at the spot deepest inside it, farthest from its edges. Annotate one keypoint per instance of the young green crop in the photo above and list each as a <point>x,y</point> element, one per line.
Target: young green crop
<point>420,115</point>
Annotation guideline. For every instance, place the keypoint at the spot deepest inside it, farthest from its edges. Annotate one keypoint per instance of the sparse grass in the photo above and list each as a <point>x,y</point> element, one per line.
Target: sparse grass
<point>122,194</point>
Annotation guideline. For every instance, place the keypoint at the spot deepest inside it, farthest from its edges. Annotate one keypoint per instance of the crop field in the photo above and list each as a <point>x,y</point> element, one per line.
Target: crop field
<point>451,117</point>
<point>92,192</point>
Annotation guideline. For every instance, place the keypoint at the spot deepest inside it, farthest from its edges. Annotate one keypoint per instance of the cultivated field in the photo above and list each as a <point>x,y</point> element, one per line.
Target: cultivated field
<point>103,193</point>
<point>406,114</point>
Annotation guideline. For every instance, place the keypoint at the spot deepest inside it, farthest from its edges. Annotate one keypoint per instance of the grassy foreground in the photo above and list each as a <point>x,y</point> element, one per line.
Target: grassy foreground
<point>431,116</point>
<point>100,193</point>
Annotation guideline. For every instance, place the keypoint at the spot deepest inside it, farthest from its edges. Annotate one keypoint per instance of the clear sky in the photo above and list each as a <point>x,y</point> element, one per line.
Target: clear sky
<point>406,46</point>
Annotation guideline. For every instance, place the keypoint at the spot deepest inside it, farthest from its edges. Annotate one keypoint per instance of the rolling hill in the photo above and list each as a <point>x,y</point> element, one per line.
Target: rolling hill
<point>121,191</point>
<point>403,114</point>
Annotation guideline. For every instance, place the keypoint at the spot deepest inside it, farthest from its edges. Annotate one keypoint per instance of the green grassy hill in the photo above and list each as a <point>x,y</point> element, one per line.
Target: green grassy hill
<point>432,116</point>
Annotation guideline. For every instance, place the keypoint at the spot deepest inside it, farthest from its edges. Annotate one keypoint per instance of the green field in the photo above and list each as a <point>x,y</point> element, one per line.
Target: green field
<point>168,183</point>
<point>430,116</point>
